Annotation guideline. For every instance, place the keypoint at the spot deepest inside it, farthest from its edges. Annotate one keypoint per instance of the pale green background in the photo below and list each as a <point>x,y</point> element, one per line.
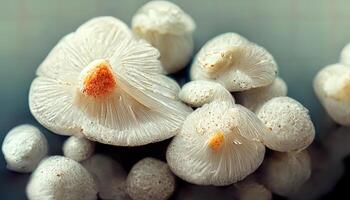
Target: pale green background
<point>303,36</point>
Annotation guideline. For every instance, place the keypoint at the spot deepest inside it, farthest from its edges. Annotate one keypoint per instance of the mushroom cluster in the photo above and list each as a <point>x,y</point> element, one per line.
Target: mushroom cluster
<point>105,83</point>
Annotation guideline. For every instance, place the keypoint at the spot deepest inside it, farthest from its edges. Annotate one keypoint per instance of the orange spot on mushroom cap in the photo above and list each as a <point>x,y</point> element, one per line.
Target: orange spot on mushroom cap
<point>216,141</point>
<point>99,81</point>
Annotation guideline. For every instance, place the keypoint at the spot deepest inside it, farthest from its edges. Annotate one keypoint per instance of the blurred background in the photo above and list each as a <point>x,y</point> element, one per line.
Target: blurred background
<point>303,36</point>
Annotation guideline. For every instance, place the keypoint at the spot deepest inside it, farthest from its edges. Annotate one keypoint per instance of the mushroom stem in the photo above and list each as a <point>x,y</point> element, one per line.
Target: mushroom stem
<point>339,88</point>
<point>97,79</point>
<point>216,141</point>
<point>219,60</point>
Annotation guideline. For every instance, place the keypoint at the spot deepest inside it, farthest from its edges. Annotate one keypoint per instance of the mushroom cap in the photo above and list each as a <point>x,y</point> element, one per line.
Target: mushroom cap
<point>337,143</point>
<point>150,179</point>
<point>141,108</point>
<point>199,92</point>
<point>250,189</point>
<point>345,55</point>
<point>331,85</point>
<point>210,149</point>
<point>233,61</point>
<point>109,176</point>
<point>78,148</point>
<point>23,148</point>
<point>254,98</point>
<point>284,173</point>
<point>58,177</point>
<point>169,29</point>
<point>290,126</point>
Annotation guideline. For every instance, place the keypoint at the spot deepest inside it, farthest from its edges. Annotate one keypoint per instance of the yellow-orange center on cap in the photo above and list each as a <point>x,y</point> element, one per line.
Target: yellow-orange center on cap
<point>215,141</point>
<point>98,80</point>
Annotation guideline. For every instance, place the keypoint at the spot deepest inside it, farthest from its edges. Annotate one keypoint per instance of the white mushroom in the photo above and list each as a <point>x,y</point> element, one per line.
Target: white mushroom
<point>78,148</point>
<point>58,177</point>
<point>290,126</point>
<point>345,55</point>
<point>109,176</point>
<point>284,173</point>
<point>102,83</point>
<point>234,62</point>
<point>250,189</point>
<point>337,143</point>
<point>169,29</point>
<point>332,87</point>
<point>23,148</point>
<point>212,147</point>
<point>197,93</point>
<point>254,98</point>
<point>150,179</point>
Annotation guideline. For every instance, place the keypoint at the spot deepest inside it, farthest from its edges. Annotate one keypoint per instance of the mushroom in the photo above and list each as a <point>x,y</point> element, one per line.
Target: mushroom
<point>254,98</point>
<point>250,189</point>
<point>101,83</point>
<point>58,177</point>
<point>337,143</point>
<point>197,93</point>
<point>78,148</point>
<point>150,179</point>
<point>284,173</point>
<point>234,62</point>
<point>109,176</point>
<point>213,148</point>
<point>169,29</point>
<point>345,55</point>
<point>332,87</point>
<point>23,148</point>
<point>291,128</point>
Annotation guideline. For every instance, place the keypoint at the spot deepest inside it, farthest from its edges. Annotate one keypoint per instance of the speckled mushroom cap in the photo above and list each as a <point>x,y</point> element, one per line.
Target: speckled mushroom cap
<point>234,62</point>
<point>285,173</point>
<point>168,28</point>
<point>109,176</point>
<point>78,148</point>
<point>23,148</point>
<point>290,126</point>
<point>199,92</point>
<point>58,177</point>
<point>150,179</point>
<point>345,55</point>
<point>250,189</point>
<point>212,147</point>
<point>102,83</point>
<point>337,143</point>
<point>254,98</point>
<point>331,85</point>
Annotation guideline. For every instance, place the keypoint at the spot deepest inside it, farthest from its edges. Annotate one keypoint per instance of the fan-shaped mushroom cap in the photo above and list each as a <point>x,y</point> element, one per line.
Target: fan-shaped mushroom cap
<point>102,83</point>
<point>197,93</point>
<point>23,148</point>
<point>150,179</point>
<point>337,143</point>
<point>345,55</point>
<point>291,128</point>
<point>212,147</point>
<point>78,148</point>
<point>58,177</point>
<point>234,62</point>
<point>169,29</point>
<point>109,176</point>
<point>332,87</point>
<point>254,98</point>
<point>284,173</point>
<point>249,189</point>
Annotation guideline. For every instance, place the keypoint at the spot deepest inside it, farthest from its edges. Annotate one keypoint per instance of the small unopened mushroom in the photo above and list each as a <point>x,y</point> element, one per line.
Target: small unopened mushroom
<point>78,148</point>
<point>290,126</point>
<point>59,177</point>
<point>23,148</point>
<point>284,173</point>
<point>197,93</point>
<point>254,98</point>
<point>332,87</point>
<point>337,143</point>
<point>250,189</point>
<point>345,55</point>
<point>150,179</point>
<point>213,148</point>
<point>109,176</point>
<point>169,29</point>
<point>234,62</point>
<point>102,83</point>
